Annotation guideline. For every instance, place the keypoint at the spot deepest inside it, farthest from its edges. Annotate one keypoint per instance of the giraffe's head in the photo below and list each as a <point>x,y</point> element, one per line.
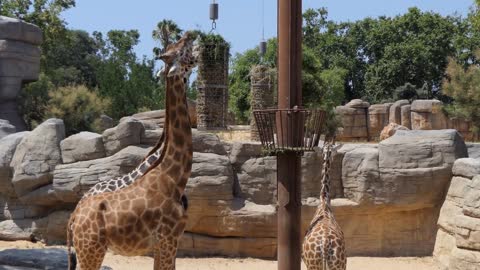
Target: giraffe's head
<point>181,57</point>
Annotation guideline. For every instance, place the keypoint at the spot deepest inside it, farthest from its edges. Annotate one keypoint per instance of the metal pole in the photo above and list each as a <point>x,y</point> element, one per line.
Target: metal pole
<point>288,164</point>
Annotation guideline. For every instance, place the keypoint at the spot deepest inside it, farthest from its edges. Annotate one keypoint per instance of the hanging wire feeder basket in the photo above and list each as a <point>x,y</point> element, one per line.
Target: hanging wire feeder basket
<point>289,130</point>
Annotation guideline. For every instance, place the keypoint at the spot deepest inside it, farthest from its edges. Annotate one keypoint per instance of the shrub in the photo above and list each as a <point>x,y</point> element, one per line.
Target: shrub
<point>79,107</point>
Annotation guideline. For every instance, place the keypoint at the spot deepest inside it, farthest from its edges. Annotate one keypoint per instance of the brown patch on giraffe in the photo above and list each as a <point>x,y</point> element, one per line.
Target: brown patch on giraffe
<point>179,229</point>
<point>174,171</point>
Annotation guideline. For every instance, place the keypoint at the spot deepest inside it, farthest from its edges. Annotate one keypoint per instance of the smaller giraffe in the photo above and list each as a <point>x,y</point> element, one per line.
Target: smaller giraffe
<point>324,244</point>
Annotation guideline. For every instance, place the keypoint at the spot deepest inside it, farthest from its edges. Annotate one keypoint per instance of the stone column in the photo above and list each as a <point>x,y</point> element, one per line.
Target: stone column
<point>378,117</point>
<point>212,84</point>
<point>354,117</point>
<point>396,111</point>
<point>262,94</point>
<point>428,115</point>
<point>19,64</point>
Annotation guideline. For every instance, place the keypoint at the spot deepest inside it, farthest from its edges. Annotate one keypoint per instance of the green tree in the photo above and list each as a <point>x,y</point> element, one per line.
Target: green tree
<point>167,32</point>
<point>34,99</point>
<point>239,78</point>
<point>409,48</point>
<point>463,85</point>
<point>321,87</point>
<point>127,82</point>
<point>73,60</point>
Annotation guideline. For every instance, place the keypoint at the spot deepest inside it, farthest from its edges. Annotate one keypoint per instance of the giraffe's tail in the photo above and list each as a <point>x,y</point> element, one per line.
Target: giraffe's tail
<point>325,255</point>
<point>72,258</point>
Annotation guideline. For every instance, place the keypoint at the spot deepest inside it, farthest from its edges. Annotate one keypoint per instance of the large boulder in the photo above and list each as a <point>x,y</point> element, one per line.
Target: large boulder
<point>82,146</point>
<point>204,142</point>
<point>453,205</point>
<point>472,206</point>
<point>242,151</point>
<point>425,156</point>
<point>361,178</point>
<point>6,128</point>
<point>14,209</point>
<point>467,167</point>
<point>257,180</point>
<point>56,229</point>
<point>71,181</point>
<point>8,145</point>
<point>473,150</point>
<point>198,245</point>
<point>211,174</point>
<point>389,130</point>
<point>151,137</point>
<point>312,174</point>
<point>34,259</point>
<point>464,259</point>
<point>151,119</point>
<point>458,237</point>
<point>24,229</point>
<point>35,159</point>
<point>128,132</point>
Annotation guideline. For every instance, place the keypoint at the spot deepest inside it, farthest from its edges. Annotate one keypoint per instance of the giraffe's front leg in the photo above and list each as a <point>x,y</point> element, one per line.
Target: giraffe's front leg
<point>165,254</point>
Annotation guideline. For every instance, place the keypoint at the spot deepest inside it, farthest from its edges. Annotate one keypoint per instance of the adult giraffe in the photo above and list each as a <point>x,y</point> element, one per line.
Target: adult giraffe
<point>147,215</point>
<point>324,244</point>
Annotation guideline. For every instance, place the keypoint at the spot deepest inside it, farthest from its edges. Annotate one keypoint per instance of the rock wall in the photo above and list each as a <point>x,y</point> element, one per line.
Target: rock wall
<point>458,239</point>
<point>362,122</point>
<point>387,196</point>
<point>19,64</point>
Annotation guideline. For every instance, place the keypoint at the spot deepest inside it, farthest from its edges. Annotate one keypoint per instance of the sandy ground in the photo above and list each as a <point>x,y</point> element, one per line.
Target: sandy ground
<point>146,263</point>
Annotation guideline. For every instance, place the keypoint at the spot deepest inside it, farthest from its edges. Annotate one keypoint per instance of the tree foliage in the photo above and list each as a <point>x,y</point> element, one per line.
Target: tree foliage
<point>463,85</point>
<point>79,107</point>
<point>127,82</point>
<point>166,32</point>
<point>385,53</point>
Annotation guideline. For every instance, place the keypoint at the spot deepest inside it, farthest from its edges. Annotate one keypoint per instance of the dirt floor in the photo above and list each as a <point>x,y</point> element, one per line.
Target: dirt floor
<point>145,263</point>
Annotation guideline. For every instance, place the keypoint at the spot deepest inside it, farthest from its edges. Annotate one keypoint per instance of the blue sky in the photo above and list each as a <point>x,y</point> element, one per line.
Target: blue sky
<point>240,21</point>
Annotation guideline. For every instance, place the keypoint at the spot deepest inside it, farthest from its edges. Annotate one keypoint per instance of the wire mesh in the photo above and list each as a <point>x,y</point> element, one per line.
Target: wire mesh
<point>283,130</point>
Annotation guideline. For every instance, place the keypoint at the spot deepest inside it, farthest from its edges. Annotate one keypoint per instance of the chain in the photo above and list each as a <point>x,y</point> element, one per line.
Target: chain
<point>214,26</point>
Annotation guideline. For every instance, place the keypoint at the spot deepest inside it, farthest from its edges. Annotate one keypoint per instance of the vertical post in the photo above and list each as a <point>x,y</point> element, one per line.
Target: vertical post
<point>288,163</point>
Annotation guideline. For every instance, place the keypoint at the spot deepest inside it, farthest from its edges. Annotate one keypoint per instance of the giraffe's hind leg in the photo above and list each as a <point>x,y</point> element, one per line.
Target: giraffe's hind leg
<point>90,255</point>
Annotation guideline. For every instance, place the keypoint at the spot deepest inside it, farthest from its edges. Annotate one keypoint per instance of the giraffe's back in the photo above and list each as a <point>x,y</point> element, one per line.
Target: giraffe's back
<point>324,241</point>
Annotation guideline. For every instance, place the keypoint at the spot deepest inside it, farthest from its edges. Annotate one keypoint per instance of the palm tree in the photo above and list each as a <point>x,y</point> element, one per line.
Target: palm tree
<point>167,32</point>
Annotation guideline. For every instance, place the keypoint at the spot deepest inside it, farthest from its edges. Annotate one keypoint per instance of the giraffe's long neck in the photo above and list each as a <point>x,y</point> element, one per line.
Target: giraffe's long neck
<point>323,208</point>
<point>176,160</point>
